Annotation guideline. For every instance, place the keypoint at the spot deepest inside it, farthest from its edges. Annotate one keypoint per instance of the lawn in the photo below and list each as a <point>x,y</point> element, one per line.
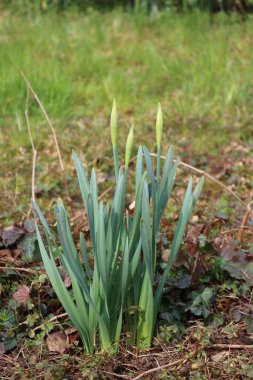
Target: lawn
<point>199,67</point>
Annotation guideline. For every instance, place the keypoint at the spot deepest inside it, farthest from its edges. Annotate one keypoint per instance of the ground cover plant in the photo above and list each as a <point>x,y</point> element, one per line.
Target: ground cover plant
<point>199,68</point>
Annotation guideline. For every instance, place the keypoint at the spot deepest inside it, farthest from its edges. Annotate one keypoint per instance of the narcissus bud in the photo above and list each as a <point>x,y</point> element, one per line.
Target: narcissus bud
<point>129,146</point>
<point>114,125</point>
<point>159,126</point>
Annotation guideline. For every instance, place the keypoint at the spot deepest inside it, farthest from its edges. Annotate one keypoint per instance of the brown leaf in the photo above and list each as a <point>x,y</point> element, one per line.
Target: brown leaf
<point>22,294</point>
<point>220,356</point>
<point>67,281</point>
<point>57,342</point>
<point>16,253</point>
<point>72,334</point>
<point>73,337</point>
<point>65,277</point>
<point>5,255</point>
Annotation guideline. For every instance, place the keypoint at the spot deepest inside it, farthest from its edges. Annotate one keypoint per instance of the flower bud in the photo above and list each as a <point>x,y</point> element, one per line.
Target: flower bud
<point>114,125</point>
<point>129,146</point>
<point>159,126</point>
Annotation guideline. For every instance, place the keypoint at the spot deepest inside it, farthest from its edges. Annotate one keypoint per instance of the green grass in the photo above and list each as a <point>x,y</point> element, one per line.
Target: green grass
<point>198,67</point>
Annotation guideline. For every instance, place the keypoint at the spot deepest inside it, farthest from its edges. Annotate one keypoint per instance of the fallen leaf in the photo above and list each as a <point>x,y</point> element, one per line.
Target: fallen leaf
<point>22,294</point>
<point>132,206</point>
<point>72,334</point>
<point>65,277</point>
<point>220,356</point>
<point>73,337</point>
<point>16,253</point>
<point>11,234</point>
<point>57,342</point>
<point>5,255</point>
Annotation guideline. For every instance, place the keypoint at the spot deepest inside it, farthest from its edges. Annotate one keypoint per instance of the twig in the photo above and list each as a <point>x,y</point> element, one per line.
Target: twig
<point>250,229</point>
<point>209,176</point>
<point>245,219</point>
<point>115,374</point>
<point>247,276</point>
<point>47,118</point>
<point>33,148</point>
<point>50,320</point>
<point>50,125</point>
<point>159,368</point>
<point>232,346</point>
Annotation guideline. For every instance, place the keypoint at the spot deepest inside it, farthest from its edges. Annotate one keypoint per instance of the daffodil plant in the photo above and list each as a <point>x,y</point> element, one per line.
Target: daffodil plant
<point>116,295</point>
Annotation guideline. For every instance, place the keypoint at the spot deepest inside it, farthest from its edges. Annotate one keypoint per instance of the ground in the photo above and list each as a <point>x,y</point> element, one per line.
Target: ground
<point>199,68</point>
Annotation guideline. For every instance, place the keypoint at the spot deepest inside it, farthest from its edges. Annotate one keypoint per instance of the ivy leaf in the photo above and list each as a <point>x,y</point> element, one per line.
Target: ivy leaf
<point>215,320</point>
<point>29,225</point>
<point>10,343</point>
<point>202,302</point>
<point>7,318</point>
<point>180,283</point>
<point>240,271</point>
<point>30,247</point>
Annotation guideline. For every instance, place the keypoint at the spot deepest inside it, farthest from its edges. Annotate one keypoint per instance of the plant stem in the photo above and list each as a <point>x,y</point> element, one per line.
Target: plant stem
<point>116,162</point>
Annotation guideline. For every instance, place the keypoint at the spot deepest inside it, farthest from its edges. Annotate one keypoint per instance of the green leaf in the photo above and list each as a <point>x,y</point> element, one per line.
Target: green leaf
<point>202,302</point>
<point>30,248</point>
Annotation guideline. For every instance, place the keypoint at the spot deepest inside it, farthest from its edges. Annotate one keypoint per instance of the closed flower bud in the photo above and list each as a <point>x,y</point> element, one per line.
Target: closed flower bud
<point>159,126</point>
<point>114,125</point>
<point>129,146</point>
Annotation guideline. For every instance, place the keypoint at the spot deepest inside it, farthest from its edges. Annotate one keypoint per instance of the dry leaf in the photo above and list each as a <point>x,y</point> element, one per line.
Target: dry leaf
<point>22,294</point>
<point>11,234</point>
<point>72,334</point>
<point>67,281</point>
<point>220,356</point>
<point>57,342</point>
<point>5,255</point>
<point>132,206</point>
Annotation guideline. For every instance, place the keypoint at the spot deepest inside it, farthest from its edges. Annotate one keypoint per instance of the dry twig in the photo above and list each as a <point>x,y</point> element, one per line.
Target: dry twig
<point>231,346</point>
<point>245,219</point>
<point>50,125</point>
<point>50,320</point>
<point>159,368</point>
<point>209,176</point>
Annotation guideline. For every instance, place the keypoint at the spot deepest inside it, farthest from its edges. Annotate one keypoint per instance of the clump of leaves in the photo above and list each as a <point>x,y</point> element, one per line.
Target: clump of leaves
<point>118,294</point>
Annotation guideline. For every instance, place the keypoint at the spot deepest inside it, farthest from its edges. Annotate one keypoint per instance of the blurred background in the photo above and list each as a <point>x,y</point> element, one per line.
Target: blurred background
<point>195,57</point>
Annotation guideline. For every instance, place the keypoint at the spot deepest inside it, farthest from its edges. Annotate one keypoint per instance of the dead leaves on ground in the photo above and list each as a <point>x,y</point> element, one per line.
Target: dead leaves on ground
<point>60,341</point>
<point>19,239</point>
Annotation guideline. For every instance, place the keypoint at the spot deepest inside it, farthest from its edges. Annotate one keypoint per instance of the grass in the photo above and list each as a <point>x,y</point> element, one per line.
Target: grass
<point>198,67</point>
